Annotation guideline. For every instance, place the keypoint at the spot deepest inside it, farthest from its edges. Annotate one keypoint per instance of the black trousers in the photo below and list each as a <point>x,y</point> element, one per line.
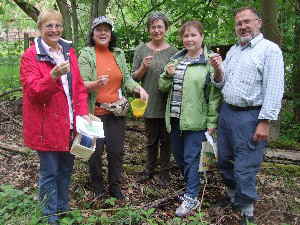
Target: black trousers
<point>158,141</point>
<point>114,131</point>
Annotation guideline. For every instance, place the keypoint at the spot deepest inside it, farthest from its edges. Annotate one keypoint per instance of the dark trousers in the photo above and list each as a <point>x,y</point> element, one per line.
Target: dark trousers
<point>114,131</point>
<point>158,141</point>
<point>239,157</point>
<point>186,147</point>
<point>54,179</point>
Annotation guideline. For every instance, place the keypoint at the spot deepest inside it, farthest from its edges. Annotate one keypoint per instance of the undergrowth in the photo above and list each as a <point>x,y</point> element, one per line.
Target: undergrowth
<point>20,208</point>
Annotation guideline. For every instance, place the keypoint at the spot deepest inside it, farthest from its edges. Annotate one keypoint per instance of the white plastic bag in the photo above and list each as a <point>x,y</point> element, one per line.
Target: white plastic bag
<point>208,158</point>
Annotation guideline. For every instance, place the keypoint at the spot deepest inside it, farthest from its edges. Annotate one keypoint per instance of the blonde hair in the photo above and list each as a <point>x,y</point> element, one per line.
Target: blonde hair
<point>48,14</point>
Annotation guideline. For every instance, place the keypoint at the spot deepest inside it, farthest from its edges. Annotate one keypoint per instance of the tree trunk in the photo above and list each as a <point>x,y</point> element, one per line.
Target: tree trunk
<point>65,11</point>
<point>271,32</point>
<point>270,24</point>
<point>296,68</point>
<point>29,9</point>
<point>75,23</point>
<point>98,8</point>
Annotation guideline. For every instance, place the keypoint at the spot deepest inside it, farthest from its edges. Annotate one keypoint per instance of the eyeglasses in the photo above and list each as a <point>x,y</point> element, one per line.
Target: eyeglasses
<point>246,22</point>
<point>52,26</point>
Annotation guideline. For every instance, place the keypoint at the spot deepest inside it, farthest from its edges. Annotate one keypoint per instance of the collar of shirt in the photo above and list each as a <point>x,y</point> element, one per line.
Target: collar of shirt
<point>50,50</point>
<point>252,43</point>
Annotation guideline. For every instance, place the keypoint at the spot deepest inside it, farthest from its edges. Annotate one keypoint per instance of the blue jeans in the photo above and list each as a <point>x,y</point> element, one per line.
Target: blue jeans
<point>239,157</point>
<point>186,147</point>
<point>54,179</point>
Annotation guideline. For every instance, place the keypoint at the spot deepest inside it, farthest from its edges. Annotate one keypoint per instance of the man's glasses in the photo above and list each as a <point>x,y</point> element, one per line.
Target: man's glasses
<point>52,26</point>
<point>246,22</point>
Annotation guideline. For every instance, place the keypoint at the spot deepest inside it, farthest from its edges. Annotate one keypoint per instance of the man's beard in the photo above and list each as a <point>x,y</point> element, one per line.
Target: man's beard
<point>245,40</point>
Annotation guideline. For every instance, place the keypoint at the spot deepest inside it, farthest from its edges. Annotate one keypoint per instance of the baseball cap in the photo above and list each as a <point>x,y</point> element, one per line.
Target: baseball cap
<point>101,20</point>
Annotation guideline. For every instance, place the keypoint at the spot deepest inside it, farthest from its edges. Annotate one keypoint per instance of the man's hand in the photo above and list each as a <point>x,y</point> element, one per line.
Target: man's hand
<point>262,131</point>
<point>216,62</point>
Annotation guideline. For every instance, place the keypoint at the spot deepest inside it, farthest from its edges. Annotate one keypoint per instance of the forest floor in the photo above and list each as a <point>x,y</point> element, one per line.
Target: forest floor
<point>278,184</point>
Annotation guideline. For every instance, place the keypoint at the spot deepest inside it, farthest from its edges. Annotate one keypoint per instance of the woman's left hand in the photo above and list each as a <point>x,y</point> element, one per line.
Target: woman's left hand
<point>143,94</point>
<point>211,130</point>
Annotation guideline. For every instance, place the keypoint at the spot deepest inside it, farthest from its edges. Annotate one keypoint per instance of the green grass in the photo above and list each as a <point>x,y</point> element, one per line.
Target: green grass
<point>9,73</point>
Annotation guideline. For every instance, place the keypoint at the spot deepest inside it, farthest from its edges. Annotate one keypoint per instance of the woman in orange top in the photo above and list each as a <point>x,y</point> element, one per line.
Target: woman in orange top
<point>105,72</point>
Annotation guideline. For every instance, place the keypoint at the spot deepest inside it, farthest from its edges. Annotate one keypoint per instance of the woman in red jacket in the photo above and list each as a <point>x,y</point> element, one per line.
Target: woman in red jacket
<point>53,95</point>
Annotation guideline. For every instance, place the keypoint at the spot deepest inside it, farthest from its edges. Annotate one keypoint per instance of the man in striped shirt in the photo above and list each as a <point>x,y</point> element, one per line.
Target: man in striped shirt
<point>252,82</point>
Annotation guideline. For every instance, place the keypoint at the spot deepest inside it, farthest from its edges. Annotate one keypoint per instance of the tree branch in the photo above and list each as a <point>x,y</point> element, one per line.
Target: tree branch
<point>29,9</point>
<point>150,10</point>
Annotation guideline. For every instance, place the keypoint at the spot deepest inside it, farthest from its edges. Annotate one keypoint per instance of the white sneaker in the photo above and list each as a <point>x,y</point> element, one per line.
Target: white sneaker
<point>187,206</point>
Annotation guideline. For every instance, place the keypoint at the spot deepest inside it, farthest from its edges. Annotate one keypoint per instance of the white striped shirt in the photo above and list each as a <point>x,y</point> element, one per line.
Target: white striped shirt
<point>253,76</point>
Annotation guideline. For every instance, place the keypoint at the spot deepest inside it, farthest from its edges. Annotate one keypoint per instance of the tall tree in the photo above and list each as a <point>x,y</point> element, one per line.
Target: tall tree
<point>271,32</point>
<point>98,8</point>
<point>296,60</point>
<point>65,11</point>
<point>270,17</point>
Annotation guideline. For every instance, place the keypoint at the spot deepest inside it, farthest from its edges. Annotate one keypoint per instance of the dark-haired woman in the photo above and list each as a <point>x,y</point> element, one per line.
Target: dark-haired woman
<point>105,72</point>
<point>148,63</point>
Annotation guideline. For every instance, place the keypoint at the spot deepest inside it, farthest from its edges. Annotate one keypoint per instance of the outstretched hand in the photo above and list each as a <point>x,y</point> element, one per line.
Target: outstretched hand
<point>143,94</point>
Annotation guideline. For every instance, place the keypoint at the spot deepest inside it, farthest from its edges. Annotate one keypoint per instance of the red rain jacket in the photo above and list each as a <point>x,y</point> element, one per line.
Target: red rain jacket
<point>46,122</point>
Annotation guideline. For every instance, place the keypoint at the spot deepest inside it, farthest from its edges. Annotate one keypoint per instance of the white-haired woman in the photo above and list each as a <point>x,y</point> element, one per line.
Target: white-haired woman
<point>53,95</point>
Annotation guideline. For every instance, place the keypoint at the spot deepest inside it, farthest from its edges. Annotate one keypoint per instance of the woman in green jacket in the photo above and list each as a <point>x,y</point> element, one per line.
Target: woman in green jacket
<point>191,108</point>
<point>106,76</point>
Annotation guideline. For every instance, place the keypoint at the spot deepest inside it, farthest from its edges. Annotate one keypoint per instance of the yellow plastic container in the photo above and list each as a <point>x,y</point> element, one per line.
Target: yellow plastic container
<point>138,107</point>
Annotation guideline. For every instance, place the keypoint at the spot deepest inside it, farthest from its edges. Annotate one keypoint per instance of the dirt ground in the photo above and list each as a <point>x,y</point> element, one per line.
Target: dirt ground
<point>279,188</point>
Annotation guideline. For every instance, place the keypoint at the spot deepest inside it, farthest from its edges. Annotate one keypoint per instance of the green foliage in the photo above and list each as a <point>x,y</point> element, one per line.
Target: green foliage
<point>9,73</point>
<point>18,208</point>
<point>289,131</point>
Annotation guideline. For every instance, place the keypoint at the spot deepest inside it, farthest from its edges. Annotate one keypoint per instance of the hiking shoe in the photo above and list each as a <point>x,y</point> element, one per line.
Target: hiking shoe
<point>187,206</point>
<point>247,220</point>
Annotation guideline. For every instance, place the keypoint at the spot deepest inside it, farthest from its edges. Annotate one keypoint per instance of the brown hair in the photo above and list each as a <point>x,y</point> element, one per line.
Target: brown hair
<point>157,16</point>
<point>48,14</point>
<point>253,10</point>
<point>192,23</point>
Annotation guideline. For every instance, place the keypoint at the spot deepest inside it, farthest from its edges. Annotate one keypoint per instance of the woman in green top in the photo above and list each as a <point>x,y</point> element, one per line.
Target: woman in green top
<point>149,62</point>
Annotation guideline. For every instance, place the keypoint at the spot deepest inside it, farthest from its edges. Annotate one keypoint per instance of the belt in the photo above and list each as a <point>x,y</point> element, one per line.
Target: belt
<point>247,108</point>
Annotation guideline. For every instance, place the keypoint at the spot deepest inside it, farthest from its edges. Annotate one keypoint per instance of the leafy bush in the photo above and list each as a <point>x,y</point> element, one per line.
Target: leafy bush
<point>9,73</point>
<point>18,208</point>
<point>289,131</point>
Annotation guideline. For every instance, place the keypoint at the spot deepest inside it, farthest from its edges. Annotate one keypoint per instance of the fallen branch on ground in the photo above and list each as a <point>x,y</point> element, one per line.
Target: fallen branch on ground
<point>10,91</point>
<point>12,148</point>
<point>158,202</point>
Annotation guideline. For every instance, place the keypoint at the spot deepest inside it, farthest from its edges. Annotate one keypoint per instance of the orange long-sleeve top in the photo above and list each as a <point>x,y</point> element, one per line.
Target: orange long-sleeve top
<point>107,65</point>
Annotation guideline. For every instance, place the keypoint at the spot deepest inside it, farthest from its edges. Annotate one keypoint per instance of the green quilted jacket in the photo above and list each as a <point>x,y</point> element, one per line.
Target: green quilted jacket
<point>198,112</point>
<point>87,64</point>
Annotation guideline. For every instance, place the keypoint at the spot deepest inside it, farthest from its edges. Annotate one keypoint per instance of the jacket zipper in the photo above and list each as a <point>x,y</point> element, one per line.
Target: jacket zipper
<point>43,122</point>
